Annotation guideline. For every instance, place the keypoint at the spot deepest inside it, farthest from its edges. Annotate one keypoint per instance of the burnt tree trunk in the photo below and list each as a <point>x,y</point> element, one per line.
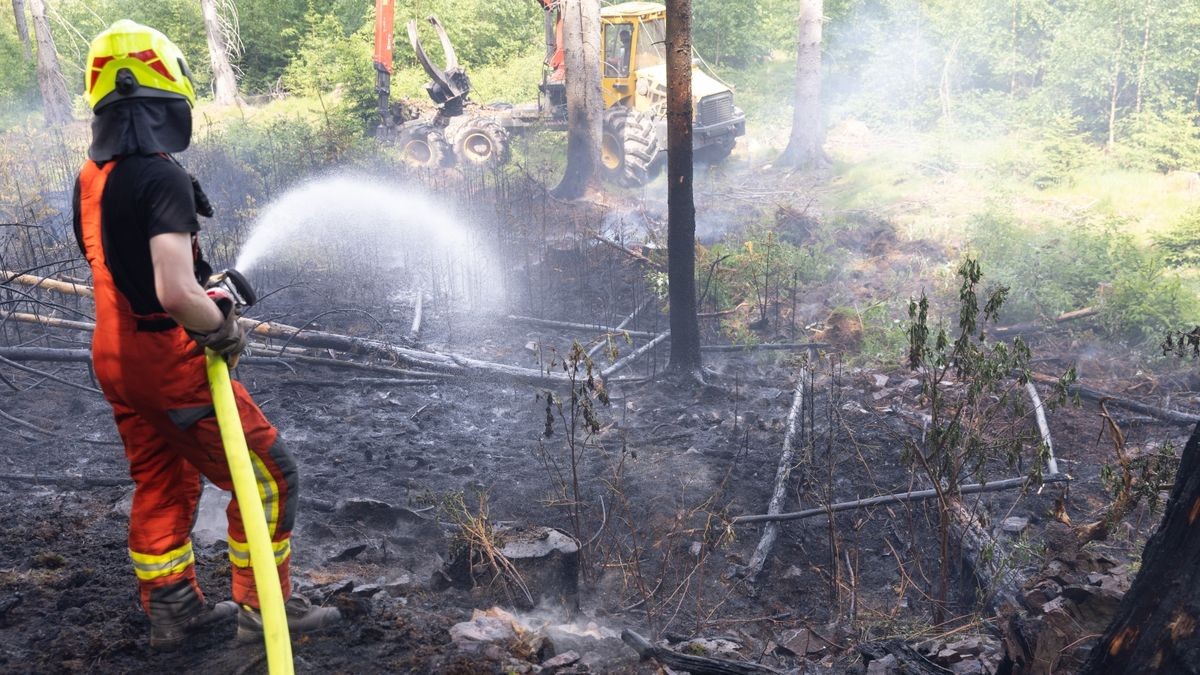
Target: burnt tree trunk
<point>224,82</point>
<point>56,104</point>
<point>1157,626</point>
<point>808,131</point>
<point>681,209</point>
<point>22,28</point>
<point>585,104</point>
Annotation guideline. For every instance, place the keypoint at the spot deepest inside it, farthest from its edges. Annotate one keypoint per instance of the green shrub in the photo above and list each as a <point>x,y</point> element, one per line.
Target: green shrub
<point>1054,269</point>
<point>1180,244</point>
<point>1160,141</point>
<point>1063,151</point>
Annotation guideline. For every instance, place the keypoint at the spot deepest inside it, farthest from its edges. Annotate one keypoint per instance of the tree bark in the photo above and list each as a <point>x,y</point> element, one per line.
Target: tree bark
<point>1115,91</point>
<point>681,208</point>
<point>808,131</point>
<point>585,104</point>
<point>1141,75</point>
<point>22,28</point>
<point>224,82</point>
<point>1157,626</point>
<point>56,103</point>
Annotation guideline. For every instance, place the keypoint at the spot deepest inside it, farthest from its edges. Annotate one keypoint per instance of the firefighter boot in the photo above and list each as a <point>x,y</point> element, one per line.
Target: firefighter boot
<point>302,619</point>
<point>177,611</point>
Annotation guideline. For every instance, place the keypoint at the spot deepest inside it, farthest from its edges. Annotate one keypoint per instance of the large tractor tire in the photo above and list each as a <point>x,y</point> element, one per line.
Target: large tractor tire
<point>423,146</point>
<point>479,142</point>
<point>628,146</point>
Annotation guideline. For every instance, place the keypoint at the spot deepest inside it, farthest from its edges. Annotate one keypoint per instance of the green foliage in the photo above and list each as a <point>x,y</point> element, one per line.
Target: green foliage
<point>972,387</point>
<point>327,61</point>
<point>739,33</point>
<point>884,337</point>
<point>18,88</point>
<point>1165,141</point>
<point>1094,262</point>
<point>1063,150</point>
<point>1180,244</point>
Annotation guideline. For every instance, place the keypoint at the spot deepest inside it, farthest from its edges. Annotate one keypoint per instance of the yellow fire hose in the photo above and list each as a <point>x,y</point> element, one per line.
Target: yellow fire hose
<point>245,487</point>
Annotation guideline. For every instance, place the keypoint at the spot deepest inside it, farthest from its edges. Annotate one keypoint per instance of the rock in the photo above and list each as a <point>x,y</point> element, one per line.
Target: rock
<point>717,647</point>
<point>970,667</point>
<point>910,383</point>
<point>948,656</point>
<point>1014,525</point>
<point>371,512</point>
<point>888,665</point>
<point>880,381</point>
<point>800,642</point>
<point>562,660</point>
<point>792,572</point>
<point>972,646</point>
<point>349,553</point>
<point>496,626</point>
<point>587,640</point>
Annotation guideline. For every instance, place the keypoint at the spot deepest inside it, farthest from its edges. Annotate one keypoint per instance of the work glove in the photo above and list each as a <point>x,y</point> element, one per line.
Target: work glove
<point>229,339</point>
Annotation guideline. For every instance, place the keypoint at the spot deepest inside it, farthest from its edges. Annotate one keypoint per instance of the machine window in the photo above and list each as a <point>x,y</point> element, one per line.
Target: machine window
<point>651,46</point>
<point>618,43</point>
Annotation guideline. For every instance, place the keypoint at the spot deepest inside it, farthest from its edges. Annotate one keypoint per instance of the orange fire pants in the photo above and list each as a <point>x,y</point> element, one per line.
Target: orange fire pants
<point>154,377</point>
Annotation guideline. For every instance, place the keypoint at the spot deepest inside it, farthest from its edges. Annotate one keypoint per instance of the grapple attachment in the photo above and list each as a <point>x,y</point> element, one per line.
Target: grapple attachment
<point>449,86</point>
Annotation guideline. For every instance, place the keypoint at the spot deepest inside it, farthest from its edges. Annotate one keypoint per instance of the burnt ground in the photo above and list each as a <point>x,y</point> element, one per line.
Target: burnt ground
<point>659,481</point>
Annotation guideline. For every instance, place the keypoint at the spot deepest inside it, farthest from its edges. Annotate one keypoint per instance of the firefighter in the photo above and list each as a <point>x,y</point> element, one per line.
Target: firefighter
<point>135,217</point>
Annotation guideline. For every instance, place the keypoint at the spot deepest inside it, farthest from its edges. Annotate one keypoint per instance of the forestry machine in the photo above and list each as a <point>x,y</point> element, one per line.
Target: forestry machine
<point>633,83</point>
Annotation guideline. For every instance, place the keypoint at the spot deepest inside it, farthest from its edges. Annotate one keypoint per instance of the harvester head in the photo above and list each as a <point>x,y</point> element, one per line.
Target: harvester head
<point>448,86</point>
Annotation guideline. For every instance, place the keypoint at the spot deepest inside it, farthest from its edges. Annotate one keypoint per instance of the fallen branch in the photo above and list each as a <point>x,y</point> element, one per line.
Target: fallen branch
<point>767,346</point>
<point>366,381</point>
<point>1164,414</point>
<point>629,252</point>
<point>622,363</point>
<point>453,364</point>
<point>49,376</point>
<point>49,321</point>
<point>587,328</point>
<point>85,481</point>
<point>47,283</point>
<point>915,495</point>
<point>56,355</point>
<point>1030,326</point>
<point>33,427</point>
<point>782,473</point>
<point>696,665</point>
<point>621,326</point>
<point>1043,427</point>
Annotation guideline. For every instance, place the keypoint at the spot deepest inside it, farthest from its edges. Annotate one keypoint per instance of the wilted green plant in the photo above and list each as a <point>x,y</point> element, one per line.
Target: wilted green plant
<point>971,386</point>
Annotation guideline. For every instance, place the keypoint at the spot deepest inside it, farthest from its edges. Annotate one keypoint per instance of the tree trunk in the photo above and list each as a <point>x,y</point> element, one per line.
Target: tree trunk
<point>808,131</point>
<point>585,105</point>
<point>1141,75</point>
<point>681,209</point>
<point>56,103</point>
<point>224,82</point>
<point>1157,626</point>
<point>22,28</point>
<point>1116,84</point>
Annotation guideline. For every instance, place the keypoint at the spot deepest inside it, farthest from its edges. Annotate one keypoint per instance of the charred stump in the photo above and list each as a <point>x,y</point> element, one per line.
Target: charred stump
<point>1157,626</point>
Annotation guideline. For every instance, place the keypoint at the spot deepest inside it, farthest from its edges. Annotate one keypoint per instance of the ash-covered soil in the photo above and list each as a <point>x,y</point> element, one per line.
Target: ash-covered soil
<point>658,480</point>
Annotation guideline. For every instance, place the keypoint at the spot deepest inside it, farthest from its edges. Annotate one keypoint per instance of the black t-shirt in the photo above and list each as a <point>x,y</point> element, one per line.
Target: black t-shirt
<point>145,195</point>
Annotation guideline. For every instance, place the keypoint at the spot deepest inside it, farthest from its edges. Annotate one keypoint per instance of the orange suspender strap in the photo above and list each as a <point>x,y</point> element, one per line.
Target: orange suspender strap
<point>92,179</point>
